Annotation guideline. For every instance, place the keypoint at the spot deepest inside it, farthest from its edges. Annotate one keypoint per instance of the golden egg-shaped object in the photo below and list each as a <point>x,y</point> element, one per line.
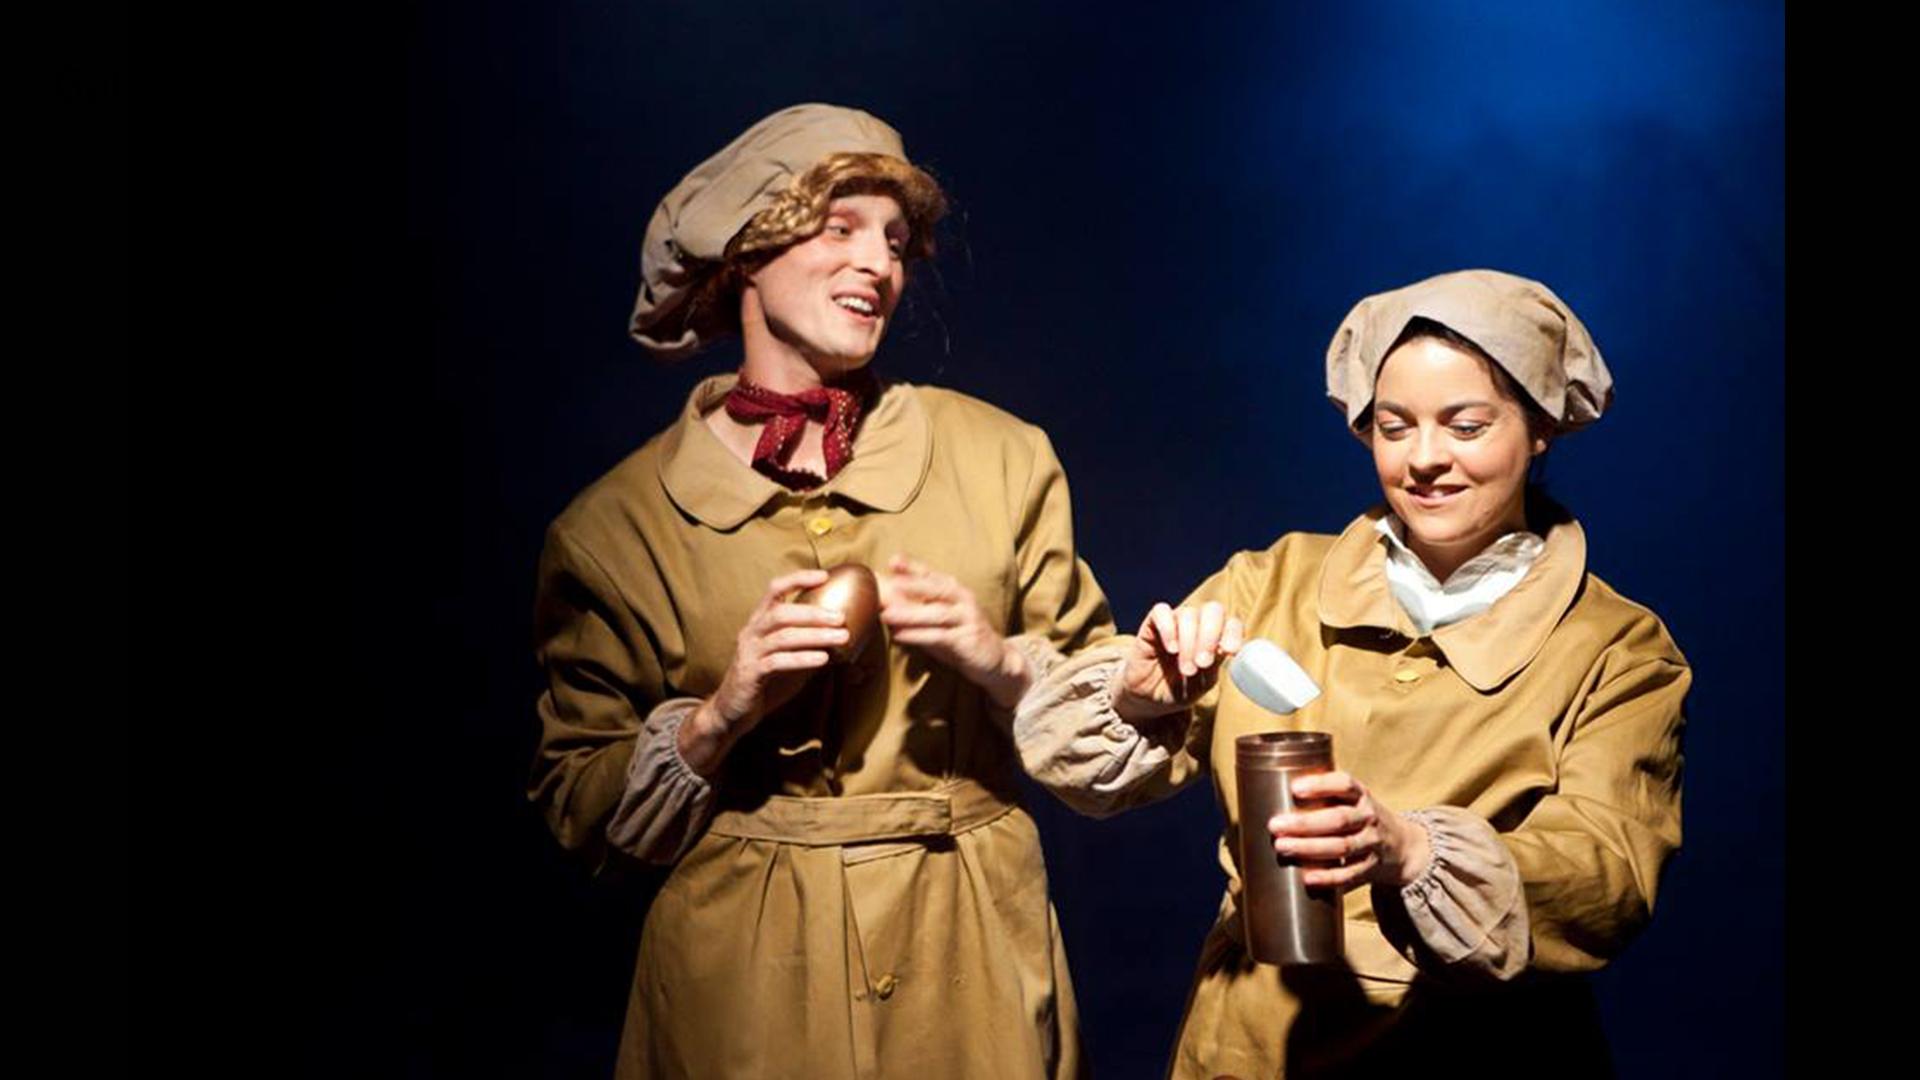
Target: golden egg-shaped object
<point>852,590</point>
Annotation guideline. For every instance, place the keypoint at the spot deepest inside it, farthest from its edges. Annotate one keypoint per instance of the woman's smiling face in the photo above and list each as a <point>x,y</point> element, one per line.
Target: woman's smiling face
<point>1451,447</point>
<point>831,297</point>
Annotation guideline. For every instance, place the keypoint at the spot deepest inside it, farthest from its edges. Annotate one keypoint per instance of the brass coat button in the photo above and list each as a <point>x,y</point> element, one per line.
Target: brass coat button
<point>883,986</point>
<point>1406,675</point>
<point>820,526</point>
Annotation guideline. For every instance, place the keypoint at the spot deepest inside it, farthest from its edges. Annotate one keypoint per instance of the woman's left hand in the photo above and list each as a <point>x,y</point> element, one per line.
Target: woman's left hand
<point>930,610</point>
<point>1365,841</point>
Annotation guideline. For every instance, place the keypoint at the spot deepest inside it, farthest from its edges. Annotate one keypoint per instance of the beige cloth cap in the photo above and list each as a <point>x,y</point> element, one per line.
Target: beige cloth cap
<point>1521,324</point>
<point>693,224</point>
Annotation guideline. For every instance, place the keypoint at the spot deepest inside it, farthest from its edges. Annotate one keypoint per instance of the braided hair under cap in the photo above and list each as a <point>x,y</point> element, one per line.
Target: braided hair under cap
<point>766,190</point>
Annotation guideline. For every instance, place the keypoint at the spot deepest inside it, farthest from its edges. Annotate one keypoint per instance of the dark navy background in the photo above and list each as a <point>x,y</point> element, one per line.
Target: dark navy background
<point>1160,218</point>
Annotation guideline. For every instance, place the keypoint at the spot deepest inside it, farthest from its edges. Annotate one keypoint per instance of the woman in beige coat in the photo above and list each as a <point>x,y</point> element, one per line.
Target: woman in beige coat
<point>855,891</point>
<point>1506,727</point>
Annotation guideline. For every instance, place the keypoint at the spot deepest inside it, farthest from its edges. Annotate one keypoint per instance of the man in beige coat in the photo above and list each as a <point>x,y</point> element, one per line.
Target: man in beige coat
<point>855,890</point>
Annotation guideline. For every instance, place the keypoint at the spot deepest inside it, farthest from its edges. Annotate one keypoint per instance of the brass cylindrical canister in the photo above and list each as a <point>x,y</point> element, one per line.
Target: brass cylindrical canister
<point>1286,922</point>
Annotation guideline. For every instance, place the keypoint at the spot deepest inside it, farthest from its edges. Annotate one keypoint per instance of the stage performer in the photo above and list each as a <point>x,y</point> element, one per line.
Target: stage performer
<point>855,890</point>
<point>1506,727</point>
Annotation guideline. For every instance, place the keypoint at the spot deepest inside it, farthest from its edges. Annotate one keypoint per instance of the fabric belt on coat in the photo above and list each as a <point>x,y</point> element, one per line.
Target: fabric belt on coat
<point>948,810</point>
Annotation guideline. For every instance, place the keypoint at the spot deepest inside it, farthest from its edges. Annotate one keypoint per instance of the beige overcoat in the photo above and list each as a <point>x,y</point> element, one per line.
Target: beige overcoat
<point>858,894</point>
<point>1553,717</point>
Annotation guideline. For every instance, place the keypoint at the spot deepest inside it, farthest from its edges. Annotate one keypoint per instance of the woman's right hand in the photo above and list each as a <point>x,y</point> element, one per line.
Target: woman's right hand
<point>780,643</point>
<point>1176,658</point>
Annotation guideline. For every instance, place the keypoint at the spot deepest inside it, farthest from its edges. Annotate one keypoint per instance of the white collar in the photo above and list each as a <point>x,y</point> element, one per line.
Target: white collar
<point>1468,591</point>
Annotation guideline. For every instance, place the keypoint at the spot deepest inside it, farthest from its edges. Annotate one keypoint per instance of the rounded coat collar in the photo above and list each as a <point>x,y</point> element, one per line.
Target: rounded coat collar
<point>1487,649</point>
<point>891,454</point>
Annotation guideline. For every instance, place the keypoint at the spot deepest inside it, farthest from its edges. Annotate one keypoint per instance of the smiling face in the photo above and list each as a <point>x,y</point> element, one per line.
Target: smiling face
<point>826,302</point>
<point>1451,447</point>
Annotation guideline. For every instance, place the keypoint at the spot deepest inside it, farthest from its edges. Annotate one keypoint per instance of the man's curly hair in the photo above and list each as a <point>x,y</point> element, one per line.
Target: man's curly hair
<point>800,212</point>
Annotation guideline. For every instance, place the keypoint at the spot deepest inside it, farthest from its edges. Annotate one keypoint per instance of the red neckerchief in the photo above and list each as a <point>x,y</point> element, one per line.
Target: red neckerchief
<point>837,408</point>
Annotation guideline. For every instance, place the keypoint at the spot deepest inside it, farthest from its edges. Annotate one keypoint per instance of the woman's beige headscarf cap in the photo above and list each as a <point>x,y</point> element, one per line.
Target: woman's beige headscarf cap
<point>692,225</point>
<point>1521,324</point>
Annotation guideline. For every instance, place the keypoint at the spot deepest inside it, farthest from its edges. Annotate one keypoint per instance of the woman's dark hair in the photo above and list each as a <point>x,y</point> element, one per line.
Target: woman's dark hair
<point>1540,422</point>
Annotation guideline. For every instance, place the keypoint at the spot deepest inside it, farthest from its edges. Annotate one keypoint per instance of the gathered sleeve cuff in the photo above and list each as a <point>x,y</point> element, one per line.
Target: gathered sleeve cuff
<point>1073,743</point>
<point>1467,915</point>
<point>1041,655</point>
<point>666,805</point>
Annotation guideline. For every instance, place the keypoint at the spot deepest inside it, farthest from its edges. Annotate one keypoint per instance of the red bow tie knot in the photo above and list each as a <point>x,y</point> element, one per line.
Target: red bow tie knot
<point>836,408</point>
